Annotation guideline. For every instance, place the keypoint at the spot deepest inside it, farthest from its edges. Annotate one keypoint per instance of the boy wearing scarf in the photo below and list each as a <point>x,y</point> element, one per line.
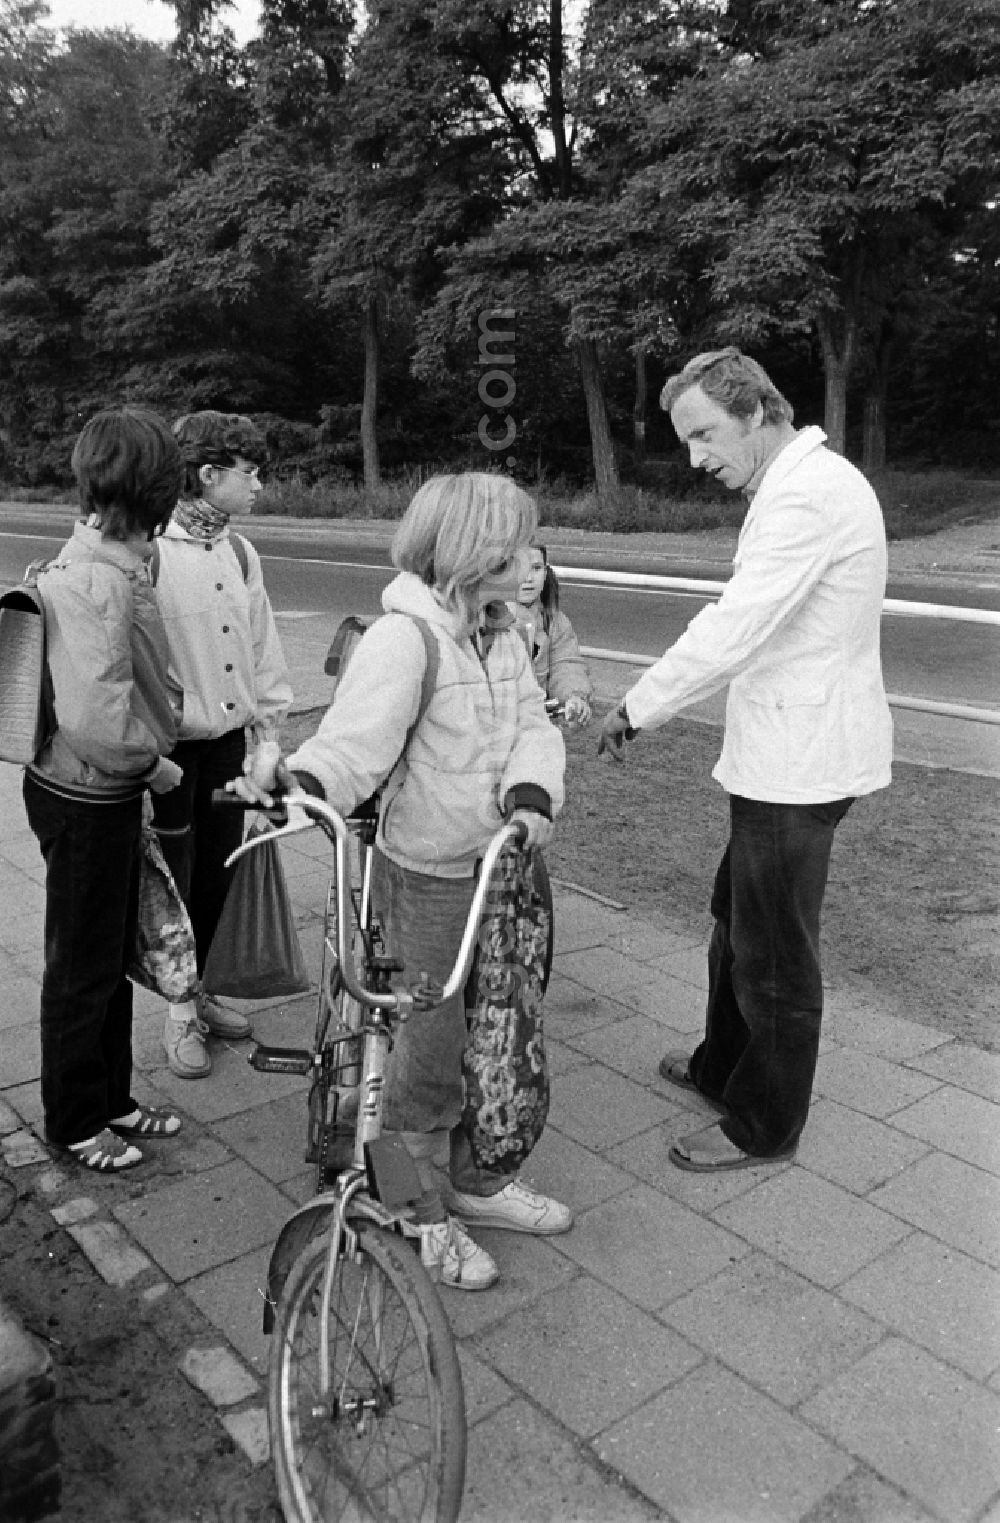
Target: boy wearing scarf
<point>226,657</point>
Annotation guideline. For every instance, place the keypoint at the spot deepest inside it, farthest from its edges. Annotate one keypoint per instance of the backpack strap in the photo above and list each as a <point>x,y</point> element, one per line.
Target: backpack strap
<point>237,541</point>
<point>239,545</point>
<point>428,682</point>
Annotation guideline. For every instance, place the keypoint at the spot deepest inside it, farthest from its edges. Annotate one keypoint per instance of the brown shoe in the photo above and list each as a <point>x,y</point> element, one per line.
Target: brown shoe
<point>673,1067</point>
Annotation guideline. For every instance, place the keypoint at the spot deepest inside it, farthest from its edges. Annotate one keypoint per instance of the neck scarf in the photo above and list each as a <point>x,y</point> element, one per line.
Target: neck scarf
<point>199,518</point>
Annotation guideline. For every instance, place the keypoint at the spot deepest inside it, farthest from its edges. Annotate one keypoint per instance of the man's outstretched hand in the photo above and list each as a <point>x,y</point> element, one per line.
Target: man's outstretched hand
<point>614,730</point>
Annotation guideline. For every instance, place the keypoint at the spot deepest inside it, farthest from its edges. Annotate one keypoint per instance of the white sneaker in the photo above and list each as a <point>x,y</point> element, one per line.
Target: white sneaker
<point>515,1207</point>
<point>184,1045</point>
<point>221,1021</point>
<point>448,1254</point>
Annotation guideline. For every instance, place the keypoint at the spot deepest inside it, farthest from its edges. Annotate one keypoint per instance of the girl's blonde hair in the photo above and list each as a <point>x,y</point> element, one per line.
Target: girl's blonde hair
<point>458,530</point>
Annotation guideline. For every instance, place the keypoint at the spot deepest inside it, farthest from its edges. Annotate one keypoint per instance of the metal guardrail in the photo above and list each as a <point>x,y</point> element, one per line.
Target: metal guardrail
<point>896,606</point>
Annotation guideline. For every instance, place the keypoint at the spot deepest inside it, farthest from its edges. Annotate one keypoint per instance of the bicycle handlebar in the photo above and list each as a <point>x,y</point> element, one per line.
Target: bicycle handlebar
<point>335,828</point>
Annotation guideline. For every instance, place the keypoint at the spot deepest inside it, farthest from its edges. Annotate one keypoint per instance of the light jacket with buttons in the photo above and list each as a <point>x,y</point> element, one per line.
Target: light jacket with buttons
<point>484,744</point>
<point>559,668</point>
<point>225,654</point>
<point>106,653</point>
<point>795,634</point>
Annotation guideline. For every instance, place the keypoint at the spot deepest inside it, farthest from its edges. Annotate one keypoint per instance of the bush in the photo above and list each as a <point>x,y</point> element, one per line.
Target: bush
<point>636,511</point>
<point>335,497</point>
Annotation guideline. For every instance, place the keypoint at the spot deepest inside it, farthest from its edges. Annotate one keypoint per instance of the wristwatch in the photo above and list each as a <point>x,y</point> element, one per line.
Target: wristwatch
<point>630,730</point>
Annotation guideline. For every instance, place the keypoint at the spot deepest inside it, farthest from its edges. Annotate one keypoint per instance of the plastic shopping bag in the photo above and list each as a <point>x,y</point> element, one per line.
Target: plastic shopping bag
<point>255,952</point>
<point>504,1067</point>
<point>165,959</point>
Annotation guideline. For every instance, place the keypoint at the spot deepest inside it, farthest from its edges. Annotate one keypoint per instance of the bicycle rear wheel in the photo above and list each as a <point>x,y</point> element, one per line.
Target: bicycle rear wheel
<point>388,1443</point>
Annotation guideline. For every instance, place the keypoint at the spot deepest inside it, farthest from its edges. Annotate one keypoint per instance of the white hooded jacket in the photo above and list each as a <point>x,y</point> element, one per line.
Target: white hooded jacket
<point>484,734</point>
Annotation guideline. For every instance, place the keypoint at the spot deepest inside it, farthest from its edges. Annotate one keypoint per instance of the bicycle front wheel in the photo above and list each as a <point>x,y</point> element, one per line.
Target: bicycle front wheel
<point>388,1440</point>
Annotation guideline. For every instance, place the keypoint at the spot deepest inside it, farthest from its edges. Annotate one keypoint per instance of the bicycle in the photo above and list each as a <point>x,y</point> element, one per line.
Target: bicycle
<point>365,1399</point>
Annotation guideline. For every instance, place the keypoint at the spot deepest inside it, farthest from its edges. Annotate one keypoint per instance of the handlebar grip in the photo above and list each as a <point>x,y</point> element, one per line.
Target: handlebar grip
<point>223,799</point>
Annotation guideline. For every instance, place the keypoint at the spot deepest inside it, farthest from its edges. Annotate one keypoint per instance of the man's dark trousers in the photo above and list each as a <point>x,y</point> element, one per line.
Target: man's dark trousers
<point>765,999</point>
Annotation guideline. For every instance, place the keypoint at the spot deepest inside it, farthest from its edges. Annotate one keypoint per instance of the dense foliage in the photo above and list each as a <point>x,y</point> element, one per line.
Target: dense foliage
<point>479,233</point>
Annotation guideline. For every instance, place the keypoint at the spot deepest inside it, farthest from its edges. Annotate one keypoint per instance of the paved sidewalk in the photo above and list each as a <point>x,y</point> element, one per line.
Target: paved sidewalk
<point>819,1343</point>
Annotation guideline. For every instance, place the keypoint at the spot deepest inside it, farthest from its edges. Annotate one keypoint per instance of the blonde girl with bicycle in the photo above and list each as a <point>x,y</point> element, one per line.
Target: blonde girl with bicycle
<point>483,752</point>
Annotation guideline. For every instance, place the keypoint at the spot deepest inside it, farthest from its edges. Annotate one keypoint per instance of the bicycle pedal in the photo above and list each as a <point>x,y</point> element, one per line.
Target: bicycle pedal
<point>281,1060</point>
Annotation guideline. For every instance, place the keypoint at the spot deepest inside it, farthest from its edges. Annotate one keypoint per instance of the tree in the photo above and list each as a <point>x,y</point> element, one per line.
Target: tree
<point>814,182</point>
<point>81,166</point>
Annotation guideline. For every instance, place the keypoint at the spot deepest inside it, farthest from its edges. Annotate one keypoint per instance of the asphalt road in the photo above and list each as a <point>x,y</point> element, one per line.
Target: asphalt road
<point>311,571</point>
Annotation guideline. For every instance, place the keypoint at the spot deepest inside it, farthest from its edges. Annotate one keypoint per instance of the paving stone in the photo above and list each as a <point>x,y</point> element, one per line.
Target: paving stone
<point>675,1005</point>
<point>649,1248</point>
<point>521,1465</point>
<point>571,1008</point>
<point>561,1058</point>
<point>231,1297</point>
<point>956,1122</point>
<point>233,1086</point>
<point>10,1121</point>
<point>601,969</point>
<point>949,1199</point>
<point>811,1225</point>
<point>580,922</point>
<point>632,1045</point>
<point>219,1375</point>
<point>937,1297</point>
<point>485,1391</point>
<point>868,1084</point>
<point>866,1498</point>
<point>875,1031</point>
<point>564,1168</point>
<point>600,1108</point>
<point>646,1156</point>
<point>249,1432</point>
<point>529,1268</point>
<point>204,1221</point>
<point>642,941</point>
<point>966,1066</point>
<point>853,1150</point>
<point>920,1423</point>
<point>117,1260</point>
<point>51,1182</point>
<point>19,1006</point>
<point>270,1137</point>
<point>711,1449</point>
<point>73,1211</point>
<point>22,1053</point>
<point>20,1149</point>
<point>583,1352</point>
<point>689,965</point>
<point>774,1328</point>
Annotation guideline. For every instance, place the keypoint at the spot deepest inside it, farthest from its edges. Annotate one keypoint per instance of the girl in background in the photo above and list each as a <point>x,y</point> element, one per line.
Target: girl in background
<point>551,640</point>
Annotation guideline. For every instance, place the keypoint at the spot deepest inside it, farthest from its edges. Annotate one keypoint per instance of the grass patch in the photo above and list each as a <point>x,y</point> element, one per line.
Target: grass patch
<point>914,503</point>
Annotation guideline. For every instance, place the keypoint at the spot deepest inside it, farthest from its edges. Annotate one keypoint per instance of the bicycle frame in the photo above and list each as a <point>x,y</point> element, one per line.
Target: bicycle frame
<point>350,1189</point>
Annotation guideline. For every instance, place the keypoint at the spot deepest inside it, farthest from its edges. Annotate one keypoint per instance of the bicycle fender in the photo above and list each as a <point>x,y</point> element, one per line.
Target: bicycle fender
<point>308,1222</point>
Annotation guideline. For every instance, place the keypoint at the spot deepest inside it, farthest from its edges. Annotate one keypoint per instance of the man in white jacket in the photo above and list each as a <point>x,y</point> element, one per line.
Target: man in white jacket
<point>795,636</point>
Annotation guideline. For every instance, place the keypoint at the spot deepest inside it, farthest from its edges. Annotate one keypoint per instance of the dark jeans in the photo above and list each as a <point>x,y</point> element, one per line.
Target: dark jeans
<point>197,838</point>
<point>765,990</point>
<point>92,860</point>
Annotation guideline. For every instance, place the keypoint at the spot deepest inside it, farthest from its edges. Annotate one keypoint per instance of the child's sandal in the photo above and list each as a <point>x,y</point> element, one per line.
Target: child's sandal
<point>147,1121</point>
<point>105,1153</point>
